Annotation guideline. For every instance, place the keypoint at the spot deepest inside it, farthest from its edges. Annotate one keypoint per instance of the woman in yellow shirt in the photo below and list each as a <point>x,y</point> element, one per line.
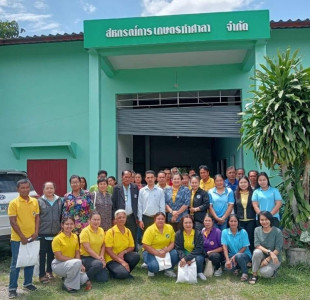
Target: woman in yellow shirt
<point>92,249</point>
<point>244,208</point>
<point>189,245</point>
<point>67,262</point>
<point>158,240</point>
<point>119,247</point>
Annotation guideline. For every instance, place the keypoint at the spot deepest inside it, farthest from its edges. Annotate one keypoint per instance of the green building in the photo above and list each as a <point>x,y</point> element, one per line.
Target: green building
<point>136,93</point>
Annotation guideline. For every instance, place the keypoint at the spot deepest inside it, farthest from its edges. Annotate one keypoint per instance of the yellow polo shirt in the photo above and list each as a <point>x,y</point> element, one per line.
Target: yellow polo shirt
<point>157,240</point>
<point>207,185</point>
<point>67,245</point>
<point>117,241</point>
<point>95,240</point>
<point>189,241</point>
<point>25,213</point>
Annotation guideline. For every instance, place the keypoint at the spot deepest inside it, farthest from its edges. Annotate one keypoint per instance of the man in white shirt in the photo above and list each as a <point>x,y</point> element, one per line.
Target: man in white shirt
<point>151,200</point>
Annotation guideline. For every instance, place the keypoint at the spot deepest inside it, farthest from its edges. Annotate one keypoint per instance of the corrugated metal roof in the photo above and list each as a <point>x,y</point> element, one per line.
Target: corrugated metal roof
<point>67,37</point>
<point>290,24</point>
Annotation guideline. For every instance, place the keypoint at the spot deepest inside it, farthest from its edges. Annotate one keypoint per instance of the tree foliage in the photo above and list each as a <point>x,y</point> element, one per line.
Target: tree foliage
<point>276,127</point>
<point>9,29</point>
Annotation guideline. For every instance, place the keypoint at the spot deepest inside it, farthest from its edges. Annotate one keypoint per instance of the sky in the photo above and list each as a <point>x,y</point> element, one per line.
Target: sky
<point>43,17</point>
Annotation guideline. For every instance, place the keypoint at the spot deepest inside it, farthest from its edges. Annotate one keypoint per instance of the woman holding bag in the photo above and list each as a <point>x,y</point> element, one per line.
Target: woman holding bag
<point>189,245</point>
<point>158,240</point>
<point>67,262</point>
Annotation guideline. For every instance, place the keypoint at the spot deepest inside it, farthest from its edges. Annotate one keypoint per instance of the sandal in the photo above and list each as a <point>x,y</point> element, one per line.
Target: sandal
<point>244,277</point>
<point>44,279</point>
<point>253,280</point>
<point>236,272</point>
<point>50,275</point>
<point>88,286</point>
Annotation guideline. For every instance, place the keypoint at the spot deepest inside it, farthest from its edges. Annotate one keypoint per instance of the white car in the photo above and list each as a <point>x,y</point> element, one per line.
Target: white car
<point>8,192</point>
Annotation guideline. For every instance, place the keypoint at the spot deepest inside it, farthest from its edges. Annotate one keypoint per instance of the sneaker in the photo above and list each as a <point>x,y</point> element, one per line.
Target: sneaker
<point>12,294</point>
<point>144,266</point>
<point>170,273</point>
<point>30,288</point>
<point>218,272</point>
<point>150,274</point>
<point>202,276</point>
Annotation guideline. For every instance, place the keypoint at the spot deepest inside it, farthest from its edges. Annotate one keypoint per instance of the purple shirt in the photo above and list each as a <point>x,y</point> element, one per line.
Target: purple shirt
<point>213,240</point>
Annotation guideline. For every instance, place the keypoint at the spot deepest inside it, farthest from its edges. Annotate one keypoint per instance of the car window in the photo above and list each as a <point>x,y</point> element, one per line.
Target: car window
<point>8,182</point>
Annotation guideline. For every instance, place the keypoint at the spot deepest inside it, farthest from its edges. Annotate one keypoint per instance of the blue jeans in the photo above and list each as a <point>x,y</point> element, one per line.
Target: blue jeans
<point>221,227</point>
<point>200,259</point>
<point>14,272</point>
<point>152,264</point>
<point>242,260</point>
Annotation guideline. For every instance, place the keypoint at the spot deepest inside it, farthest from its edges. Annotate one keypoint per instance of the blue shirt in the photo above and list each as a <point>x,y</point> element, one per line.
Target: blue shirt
<point>235,242</point>
<point>267,199</point>
<point>220,202</point>
<point>231,186</point>
<point>128,206</point>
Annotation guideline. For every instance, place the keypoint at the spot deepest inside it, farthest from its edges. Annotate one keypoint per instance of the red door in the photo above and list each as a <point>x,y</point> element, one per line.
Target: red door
<point>55,170</point>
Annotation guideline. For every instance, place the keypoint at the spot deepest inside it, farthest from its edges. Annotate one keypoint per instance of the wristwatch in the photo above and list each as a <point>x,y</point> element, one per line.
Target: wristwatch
<point>268,252</point>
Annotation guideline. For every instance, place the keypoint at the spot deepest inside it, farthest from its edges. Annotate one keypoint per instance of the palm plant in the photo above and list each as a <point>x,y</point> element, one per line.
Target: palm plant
<point>276,127</point>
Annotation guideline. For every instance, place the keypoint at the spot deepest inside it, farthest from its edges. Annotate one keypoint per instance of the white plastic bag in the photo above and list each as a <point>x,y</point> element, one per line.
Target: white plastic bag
<point>28,254</point>
<point>187,273</point>
<point>208,272</point>
<point>164,262</point>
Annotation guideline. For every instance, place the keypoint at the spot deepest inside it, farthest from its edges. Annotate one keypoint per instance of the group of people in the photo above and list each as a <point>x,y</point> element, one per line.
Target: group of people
<point>92,233</point>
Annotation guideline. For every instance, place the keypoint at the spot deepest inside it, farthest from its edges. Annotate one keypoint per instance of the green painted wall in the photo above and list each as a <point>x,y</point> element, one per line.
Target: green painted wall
<point>293,38</point>
<point>44,98</point>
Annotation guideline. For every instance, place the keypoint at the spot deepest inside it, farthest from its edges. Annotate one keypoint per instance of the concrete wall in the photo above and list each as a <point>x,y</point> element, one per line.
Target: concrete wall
<point>44,98</point>
<point>125,154</point>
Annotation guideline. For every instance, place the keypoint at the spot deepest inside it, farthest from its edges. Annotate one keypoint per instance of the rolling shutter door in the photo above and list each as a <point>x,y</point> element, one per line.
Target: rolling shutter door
<point>216,121</point>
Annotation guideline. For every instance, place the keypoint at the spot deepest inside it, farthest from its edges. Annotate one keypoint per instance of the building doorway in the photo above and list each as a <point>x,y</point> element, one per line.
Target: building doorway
<point>42,170</point>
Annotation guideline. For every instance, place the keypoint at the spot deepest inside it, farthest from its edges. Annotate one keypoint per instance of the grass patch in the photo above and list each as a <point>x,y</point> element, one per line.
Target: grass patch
<point>291,283</point>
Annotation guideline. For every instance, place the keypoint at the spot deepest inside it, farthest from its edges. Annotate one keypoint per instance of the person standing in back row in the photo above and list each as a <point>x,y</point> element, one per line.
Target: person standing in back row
<point>231,180</point>
<point>50,214</point>
<point>125,196</point>
<point>24,218</point>
<point>151,201</point>
<point>206,182</point>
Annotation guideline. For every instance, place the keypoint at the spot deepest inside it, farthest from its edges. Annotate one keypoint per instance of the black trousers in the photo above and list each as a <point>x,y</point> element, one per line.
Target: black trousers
<point>132,225</point>
<point>118,271</point>
<point>148,221</point>
<point>216,258</point>
<point>198,225</point>
<point>46,255</point>
<point>249,227</point>
<point>94,269</point>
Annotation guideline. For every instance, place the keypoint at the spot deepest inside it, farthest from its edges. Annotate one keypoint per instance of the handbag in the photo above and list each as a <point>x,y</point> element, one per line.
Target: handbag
<point>164,262</point>
<point>209,269</point>
<point>188,273</point>
<point>28,254</point>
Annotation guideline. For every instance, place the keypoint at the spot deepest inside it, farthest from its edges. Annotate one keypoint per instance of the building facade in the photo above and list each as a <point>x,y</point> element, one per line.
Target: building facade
<point>135,93</point>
